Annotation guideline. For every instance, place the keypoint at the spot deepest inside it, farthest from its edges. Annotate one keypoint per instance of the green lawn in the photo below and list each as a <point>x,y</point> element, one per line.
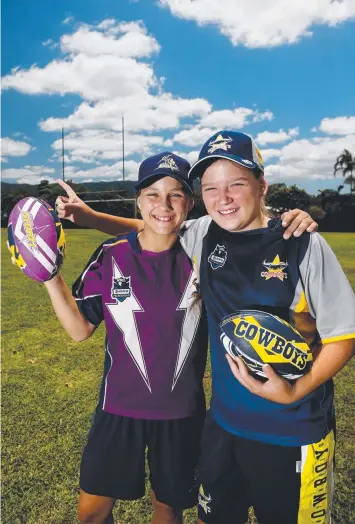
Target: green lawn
<point>49,393</point>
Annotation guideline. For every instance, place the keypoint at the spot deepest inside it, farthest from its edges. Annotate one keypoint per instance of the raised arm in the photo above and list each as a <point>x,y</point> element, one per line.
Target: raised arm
<point>73,208</point>
<point>64,304</point>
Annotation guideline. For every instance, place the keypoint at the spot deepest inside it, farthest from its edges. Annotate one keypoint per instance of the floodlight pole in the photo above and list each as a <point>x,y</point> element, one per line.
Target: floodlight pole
<point>123,173</point>
<point>63,174</point>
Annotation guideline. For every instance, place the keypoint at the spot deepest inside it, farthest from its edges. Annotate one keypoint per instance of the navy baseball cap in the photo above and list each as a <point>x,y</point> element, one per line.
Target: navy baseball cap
<point>161,165</point>
<point>234,146</point>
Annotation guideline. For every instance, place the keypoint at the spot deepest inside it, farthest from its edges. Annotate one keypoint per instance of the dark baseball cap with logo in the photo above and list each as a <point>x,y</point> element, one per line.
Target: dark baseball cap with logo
<point>164,164</point>
<point>234,146</point>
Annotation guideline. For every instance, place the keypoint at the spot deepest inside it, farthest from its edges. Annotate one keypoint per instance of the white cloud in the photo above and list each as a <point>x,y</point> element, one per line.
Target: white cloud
<point>96,65</point>
<point>263,23</point>
<point>269,153</point>
<point>193,137</point>
<point>107,172</point>
<point>271,137</point>
<point>146,113</point>
<point>107,67</point>
<point>50,43</point>
<point>28,174</point>
<point>309,158</point>
<point>341,125</point>
<point>190,156</point>
<point>10,147</point>
<point>90,146</point>
<point>235,119</point>
<point>68,20</point>
<point>121,40</point>
<point>223,119</point>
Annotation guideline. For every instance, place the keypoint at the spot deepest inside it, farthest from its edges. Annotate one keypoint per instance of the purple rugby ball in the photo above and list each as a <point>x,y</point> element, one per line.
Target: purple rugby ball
<point>36,238</point>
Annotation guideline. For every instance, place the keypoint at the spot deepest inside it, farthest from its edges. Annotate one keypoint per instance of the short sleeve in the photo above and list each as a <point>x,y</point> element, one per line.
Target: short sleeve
<point>329,295</point>
<point>87,290</point>
<point>192,234</point>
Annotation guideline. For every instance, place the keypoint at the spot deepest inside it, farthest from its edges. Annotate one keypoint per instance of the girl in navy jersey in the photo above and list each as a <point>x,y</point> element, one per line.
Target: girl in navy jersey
<point>267,444</point>
<point>143,286</point>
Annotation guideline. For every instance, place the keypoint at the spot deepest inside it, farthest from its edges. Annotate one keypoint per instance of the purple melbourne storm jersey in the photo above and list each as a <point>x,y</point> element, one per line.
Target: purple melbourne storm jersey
<point>156,331</point>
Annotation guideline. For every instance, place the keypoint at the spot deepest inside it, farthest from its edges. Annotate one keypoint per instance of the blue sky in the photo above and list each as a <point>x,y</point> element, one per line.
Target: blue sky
<point>178,71</point>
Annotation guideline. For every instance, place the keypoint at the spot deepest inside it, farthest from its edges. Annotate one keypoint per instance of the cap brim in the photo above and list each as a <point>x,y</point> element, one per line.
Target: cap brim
<point>200,166</point>
<point>157,176</point>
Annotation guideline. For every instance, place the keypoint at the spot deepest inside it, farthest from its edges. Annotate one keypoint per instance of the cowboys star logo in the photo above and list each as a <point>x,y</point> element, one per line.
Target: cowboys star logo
<point>220,143</point>
<point>167,162</point>
<point>275,269</point>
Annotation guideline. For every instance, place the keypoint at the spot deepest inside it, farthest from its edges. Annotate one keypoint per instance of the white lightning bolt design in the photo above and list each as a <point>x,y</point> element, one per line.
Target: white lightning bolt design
<point>123,314</point>
<point>33,206</point>
<point>193,310</point>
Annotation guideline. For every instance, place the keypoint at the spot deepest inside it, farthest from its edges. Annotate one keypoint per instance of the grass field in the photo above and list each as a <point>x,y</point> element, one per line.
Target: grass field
<point>49,391</point>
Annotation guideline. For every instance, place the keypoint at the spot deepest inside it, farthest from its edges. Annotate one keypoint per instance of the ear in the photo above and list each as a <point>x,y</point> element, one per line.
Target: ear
<point>263,186</point>
<point>138,202</point>
<point>191,203</point>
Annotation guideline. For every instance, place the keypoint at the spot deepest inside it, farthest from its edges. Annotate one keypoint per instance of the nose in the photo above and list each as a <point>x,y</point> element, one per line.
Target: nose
<point>224,196</point>
<point>165,202</point>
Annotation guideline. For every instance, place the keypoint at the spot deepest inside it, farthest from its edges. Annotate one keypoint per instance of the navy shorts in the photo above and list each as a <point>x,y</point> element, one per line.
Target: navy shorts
<point>113,462</point>
<point>284,484</point>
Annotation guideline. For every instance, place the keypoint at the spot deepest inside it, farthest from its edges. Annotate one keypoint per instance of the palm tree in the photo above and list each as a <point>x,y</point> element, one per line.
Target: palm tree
<point>346,163</point>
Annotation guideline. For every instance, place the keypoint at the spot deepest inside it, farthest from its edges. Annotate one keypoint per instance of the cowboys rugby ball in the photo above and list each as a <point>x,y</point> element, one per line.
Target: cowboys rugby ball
<point>36,238</point>
<point>260,338</point>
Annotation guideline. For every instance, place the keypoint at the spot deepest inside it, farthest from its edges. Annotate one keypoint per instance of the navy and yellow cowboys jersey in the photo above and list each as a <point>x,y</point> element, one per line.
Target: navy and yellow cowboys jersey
<point>301,281</point>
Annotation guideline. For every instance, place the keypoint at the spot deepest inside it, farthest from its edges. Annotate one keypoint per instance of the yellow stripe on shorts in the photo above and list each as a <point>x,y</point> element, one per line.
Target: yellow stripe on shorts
<point>317,481</point>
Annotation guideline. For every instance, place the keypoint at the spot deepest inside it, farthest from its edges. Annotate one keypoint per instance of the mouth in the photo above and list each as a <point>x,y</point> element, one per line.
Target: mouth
<point>163,218</point>
<point>227,212</point>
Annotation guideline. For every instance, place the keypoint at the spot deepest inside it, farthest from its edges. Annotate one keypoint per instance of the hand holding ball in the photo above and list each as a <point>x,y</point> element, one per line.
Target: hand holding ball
<point>36,239</point>
<point>260,338</point>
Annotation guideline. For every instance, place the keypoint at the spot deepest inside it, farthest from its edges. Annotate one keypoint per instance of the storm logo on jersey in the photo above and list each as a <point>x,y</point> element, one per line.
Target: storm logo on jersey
<point>121,288</point>
<point>261,338</point>
<point>218,257</point>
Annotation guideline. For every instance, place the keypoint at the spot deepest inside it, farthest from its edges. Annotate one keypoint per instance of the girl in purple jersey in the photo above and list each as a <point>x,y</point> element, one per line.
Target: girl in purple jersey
<point>142,285</point>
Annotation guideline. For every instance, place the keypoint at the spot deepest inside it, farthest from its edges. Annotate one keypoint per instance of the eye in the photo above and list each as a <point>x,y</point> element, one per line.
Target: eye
<point>209,189</point>
<point>176,195</point>
<point>152,194</point>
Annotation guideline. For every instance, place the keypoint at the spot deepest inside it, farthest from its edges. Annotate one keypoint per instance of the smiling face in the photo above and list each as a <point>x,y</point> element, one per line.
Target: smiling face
<point>233,196</point>
<point>164,206</point>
